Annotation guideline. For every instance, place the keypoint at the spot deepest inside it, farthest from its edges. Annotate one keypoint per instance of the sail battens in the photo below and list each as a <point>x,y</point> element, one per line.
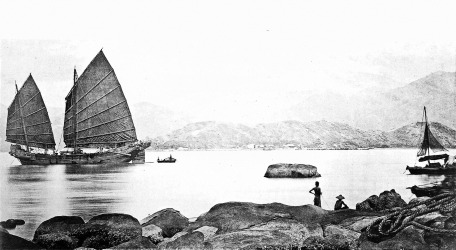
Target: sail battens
<point>101,112</point>
<point>31,125</point>
<point>115,132</point>
<point>28,134</point>
<point>8,129</point>
<point>69,109</point>
<point>34,112</point>
<point>106,142</point>
<point>13,121</point>
<point>97,112</point>
<point>88,91</point>
<point>37,124</point>
<point>25,103</point>
<point>101,124</point>
<point>29,122</point>
<point>13,113</point>
<point>101,97</point>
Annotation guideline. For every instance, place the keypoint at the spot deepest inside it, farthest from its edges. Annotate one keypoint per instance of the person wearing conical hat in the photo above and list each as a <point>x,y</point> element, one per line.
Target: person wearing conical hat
<point>340,204</point>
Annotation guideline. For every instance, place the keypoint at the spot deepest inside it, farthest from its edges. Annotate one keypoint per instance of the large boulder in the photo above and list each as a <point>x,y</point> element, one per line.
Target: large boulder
<point>9,241</point>
<point>59,224</point>
<point>385,201</point>
<point>169,220</point>
<point>108,230</point>
<point>57,232</point>
<point>233,216</point>
<point>287,170</point>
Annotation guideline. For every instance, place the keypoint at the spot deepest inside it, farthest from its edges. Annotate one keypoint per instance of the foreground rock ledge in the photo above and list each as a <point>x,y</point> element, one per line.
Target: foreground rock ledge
<point>288,170</point>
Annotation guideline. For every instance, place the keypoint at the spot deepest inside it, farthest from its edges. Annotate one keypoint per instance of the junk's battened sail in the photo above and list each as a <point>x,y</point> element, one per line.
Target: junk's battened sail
<point>28,120</point>
<point>97,113</point>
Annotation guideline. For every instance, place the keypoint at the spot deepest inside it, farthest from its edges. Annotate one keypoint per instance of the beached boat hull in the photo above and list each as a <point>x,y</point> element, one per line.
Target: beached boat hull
<point>431,170</point>
<point>130,153</point>
<point>426,191</point>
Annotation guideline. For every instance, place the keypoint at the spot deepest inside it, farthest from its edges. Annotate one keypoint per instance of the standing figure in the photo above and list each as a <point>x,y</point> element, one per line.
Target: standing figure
<point>339,203</point>
<point>317,192</point>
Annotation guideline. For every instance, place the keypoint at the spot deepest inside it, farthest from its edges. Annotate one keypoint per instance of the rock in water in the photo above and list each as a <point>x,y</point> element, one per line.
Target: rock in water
<point>11,223</point>
<point>169,220</point>
<point>287,170</point>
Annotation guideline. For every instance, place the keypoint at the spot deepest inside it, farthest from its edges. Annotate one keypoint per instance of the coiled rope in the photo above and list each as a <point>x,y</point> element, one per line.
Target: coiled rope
<point>396,221</point>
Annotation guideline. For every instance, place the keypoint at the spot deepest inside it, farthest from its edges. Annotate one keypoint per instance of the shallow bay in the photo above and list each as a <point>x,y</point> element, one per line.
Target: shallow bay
<point>196,182</point>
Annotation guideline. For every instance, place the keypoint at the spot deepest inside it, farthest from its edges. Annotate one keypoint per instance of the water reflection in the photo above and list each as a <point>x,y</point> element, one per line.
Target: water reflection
<point>37,193</point>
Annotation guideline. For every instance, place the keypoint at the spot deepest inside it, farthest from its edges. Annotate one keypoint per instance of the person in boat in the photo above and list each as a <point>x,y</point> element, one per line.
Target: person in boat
<point>317,193</point>
<point>340,204</point>
<point>170,157</point>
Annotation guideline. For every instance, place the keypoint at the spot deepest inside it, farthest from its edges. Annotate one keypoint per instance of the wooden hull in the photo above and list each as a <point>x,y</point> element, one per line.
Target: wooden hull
<point>132,152</point>
<point>426,191</point>
<point>432,170</point>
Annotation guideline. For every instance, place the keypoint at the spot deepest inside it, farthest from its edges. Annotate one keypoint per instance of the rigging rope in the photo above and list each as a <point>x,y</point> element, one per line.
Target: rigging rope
<point>396,221</point>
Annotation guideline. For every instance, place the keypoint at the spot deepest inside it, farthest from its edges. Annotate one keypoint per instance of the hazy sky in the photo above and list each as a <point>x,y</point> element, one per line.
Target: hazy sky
<point>225,60</point>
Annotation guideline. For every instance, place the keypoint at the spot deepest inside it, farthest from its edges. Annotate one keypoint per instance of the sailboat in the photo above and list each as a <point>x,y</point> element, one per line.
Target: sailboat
<point>28,126</point>
<point>439,162</point>
<point>98,126</point>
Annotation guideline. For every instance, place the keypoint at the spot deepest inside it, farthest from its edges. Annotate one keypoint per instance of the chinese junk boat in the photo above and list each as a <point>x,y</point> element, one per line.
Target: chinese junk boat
<point>98,127</point>
<point>433,161</point>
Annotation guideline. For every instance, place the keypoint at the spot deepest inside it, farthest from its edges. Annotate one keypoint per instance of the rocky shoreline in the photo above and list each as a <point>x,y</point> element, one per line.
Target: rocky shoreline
<point>243,225</point>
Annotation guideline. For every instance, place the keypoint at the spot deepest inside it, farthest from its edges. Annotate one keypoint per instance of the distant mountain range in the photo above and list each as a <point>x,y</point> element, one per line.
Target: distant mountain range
<point>368,118</point>
<point>383,109</point>
<point>319,134</point>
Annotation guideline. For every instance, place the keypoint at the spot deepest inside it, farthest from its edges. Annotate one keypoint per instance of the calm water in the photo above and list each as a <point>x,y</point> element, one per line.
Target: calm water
<point>199,180</point>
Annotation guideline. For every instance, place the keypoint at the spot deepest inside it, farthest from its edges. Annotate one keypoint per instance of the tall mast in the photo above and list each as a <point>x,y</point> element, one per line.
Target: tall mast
<point>427,128</point>
<point>22,117</point>
<point>75,125</point>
